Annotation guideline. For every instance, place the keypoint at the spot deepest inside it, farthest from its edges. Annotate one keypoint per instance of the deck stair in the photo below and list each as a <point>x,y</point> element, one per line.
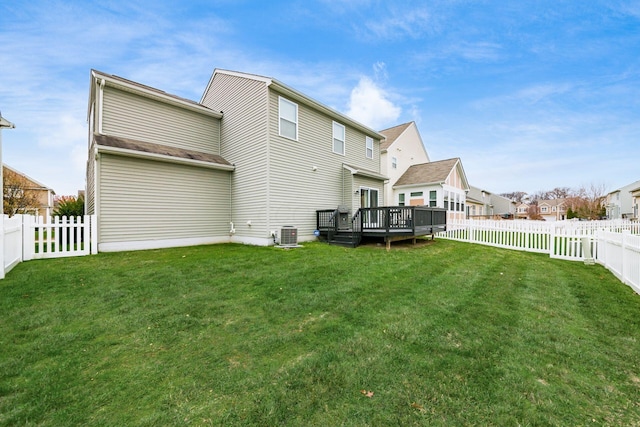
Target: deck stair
<point>344,237</point>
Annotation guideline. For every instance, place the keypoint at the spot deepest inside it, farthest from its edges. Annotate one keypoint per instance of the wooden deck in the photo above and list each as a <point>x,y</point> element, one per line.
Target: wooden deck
<point>390,223</point>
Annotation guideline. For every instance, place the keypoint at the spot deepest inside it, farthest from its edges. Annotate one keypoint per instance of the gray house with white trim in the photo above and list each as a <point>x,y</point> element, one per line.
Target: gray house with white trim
<point>252,156</point>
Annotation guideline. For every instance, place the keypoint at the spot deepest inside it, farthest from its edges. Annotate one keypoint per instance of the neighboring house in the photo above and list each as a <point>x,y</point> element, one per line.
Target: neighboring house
<point>252,156</point>
<point>522,211</point>
<point>401,148</point>
<point>553,209</point>
<point>635,195</point>
<point>483,204</point>
<point>441,184</point>
<point>19,185</point>
<point>619,203</point>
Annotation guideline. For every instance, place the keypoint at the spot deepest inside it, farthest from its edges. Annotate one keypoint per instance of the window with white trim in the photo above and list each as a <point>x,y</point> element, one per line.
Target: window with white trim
<point>433,194</point>
<point>369,147</point>
<point>338,138</point>
<point>394,163</point>
<point>288,118</point>
<point>401,199</point>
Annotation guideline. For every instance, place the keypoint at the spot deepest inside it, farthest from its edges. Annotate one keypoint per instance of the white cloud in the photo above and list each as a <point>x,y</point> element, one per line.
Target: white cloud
<point>369,104</point>
<point>398,23</point>
<point>62,130</point>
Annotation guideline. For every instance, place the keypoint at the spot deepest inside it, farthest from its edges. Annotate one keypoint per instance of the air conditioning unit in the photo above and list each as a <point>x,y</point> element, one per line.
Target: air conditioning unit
<point>288,236</point>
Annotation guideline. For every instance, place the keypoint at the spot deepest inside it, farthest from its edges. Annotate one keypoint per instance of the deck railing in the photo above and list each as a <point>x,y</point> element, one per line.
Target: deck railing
<point>389,219</point>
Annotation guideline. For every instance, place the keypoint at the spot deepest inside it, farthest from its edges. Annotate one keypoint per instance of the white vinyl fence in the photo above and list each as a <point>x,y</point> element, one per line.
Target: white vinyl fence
<point>614,244</point>
<point>28,237</point>
<point>12,241</point>
<point>620,254</point>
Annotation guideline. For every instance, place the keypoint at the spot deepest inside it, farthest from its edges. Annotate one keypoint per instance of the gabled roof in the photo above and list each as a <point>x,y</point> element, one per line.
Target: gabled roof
<point>133,148</point>
<point>297,96</point>
<point>4,123</point>
<point>472,200</point>
<point>430,173</point>
<point>392,134</point>
<point>628,187</point>
<point>100,78</point>
<point>37,185</point>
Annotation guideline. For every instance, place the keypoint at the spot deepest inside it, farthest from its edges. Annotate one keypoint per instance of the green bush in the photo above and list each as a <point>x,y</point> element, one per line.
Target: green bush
<point>69,206</point>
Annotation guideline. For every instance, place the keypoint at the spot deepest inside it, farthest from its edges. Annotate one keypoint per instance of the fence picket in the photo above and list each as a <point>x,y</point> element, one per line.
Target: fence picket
<point>61,237</point>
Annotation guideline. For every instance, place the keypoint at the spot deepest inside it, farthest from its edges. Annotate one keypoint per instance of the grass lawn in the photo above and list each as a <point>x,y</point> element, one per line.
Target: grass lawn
<point>442,334</point>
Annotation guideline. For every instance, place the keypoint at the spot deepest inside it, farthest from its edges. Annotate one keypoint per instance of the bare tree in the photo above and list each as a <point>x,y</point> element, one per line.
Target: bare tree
<point>588,202</point>
<point>534,211</point>
<point>559,193</point>
<point>516,196</point>
<point>18,197</point>
<point>540,195</point>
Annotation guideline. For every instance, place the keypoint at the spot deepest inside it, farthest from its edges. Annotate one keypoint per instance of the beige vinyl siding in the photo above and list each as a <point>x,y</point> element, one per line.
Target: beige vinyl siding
<point>129,115</point>
<point>148,200</point>
<point>244,134</point>
<point>296,190</point>
<point>356,151</point>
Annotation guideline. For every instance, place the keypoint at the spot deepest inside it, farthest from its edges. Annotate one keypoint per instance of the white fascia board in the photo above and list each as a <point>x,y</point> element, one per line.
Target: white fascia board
<point>298,96</point>
<point>163,158</point>
<point>420,185</point>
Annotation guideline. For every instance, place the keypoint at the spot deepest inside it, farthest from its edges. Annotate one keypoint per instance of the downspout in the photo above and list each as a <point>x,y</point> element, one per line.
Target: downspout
<point>220,135</point>
<point>342,198</point>
<point>232,230</point>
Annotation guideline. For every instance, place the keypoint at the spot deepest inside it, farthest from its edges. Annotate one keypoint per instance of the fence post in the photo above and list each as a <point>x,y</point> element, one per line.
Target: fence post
<point>93,235</point>
<point>624,245</point>
<point>28,237</point>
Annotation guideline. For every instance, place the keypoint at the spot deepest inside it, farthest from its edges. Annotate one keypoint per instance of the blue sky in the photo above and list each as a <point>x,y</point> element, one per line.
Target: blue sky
<point>531,95</point>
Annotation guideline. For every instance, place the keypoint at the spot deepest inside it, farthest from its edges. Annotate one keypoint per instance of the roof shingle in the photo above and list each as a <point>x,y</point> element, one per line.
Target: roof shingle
<point>426,173</point>
<point>392,134</point>
<point>148,147</point>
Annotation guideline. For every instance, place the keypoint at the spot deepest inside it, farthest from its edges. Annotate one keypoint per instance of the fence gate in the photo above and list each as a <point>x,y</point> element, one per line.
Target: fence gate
<point>58,237</point>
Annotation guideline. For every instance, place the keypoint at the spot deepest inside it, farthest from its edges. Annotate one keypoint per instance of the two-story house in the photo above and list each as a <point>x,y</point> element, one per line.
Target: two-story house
<point>522,211</point>
<point>635,203</point>
<point>401,148</point>
<point>619,203</point>
<point>553,209</point>
<point>25,195</point>
<point>484,204</point>
<point>252,156</point>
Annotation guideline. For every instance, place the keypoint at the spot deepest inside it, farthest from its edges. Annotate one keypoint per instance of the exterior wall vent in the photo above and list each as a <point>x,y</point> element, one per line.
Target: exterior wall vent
<point>288,236</point>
